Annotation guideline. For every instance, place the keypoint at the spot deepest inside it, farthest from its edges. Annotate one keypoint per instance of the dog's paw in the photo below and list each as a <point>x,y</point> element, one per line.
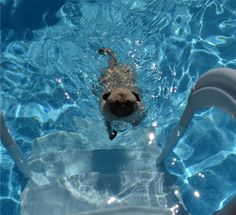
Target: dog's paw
<point>112,135</point>
<point>102,51</point>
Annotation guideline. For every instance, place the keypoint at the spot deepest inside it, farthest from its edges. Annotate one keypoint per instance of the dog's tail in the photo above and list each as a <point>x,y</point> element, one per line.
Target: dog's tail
<point>107,51</point>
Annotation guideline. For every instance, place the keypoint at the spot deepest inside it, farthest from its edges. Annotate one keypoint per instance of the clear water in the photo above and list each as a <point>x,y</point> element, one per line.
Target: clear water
<point>49,72</point>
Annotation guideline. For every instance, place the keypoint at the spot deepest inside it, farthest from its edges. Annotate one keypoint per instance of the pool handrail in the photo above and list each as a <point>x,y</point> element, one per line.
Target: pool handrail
<point>215,88</point>
<point>13,149</point>
<point>228,209</point>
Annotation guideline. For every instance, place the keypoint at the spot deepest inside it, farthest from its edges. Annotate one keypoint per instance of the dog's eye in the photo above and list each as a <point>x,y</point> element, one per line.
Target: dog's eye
<point>106,95</point>
<point>137,96</point>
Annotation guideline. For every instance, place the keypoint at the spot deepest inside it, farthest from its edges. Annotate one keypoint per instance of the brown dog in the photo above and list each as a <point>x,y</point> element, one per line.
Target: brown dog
<point>120,99</point>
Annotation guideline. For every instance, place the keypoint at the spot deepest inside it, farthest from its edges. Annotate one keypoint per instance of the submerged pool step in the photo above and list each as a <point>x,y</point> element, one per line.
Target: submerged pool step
<point>64,154</point>
<point>50,166</point>
<point>97,191</point>
<point>137,210</point>
<point>72,175</point>
<point>85,140</point>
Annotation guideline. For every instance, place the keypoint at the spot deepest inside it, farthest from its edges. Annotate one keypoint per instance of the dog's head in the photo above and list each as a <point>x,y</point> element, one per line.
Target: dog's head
<point>121,102</point>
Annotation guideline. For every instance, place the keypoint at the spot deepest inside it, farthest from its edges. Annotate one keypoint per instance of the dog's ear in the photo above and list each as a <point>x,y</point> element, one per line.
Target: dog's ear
<point>136,96</point>
<point>106,95</point>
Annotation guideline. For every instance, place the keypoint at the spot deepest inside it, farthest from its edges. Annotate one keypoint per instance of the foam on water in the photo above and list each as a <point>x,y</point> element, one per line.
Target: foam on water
<point>49,83</point>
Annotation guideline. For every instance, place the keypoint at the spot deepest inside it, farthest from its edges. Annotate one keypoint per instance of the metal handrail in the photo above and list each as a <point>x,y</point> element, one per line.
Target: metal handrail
<point>13,149</point>
<point>216,88</point>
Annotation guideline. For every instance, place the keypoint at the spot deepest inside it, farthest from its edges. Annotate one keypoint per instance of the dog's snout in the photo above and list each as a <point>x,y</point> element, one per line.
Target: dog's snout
<point>122,108</point>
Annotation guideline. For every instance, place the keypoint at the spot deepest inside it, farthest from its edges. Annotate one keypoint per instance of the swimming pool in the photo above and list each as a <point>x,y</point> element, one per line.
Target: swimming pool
<point>49,72</point>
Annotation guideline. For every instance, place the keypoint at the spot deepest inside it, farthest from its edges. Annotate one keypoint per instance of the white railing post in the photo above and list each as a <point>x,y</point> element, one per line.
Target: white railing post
<point>13,149</point>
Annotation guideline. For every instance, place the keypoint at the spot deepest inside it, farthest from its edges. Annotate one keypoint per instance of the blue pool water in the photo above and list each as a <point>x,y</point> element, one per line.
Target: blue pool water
<point>50,68</point>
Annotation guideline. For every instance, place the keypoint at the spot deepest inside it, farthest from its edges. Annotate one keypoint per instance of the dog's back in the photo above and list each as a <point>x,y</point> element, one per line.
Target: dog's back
<point>120,99</point>
<point>120,76</point>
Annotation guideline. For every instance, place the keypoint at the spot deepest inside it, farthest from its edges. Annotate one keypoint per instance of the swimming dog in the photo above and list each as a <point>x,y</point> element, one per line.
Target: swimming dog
<point>120,99</point>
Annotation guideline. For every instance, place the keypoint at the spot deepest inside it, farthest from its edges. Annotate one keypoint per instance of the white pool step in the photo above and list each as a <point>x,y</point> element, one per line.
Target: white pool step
<point>96,191</point>
<point>64,154</point>
<point>72,176</point>
<point>53,165</point>
<point>131,210</point>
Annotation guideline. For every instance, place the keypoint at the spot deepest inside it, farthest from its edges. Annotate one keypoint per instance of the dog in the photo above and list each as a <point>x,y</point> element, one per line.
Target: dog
<point>120,99</point>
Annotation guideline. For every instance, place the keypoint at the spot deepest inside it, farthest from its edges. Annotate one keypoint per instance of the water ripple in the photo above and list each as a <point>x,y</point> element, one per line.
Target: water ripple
<point>49,81</point>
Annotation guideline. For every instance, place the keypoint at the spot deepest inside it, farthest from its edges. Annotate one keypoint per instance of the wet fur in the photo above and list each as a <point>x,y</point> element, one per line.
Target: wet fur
<point>120,99</point>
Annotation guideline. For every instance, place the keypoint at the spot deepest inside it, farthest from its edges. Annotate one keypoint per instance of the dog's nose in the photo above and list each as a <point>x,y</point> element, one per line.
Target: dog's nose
<point>123,105</point>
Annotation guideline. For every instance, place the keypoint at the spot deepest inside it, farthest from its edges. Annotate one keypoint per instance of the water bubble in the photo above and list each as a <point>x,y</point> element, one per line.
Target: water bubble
<point>178,133</point>
<point>197,194</point>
